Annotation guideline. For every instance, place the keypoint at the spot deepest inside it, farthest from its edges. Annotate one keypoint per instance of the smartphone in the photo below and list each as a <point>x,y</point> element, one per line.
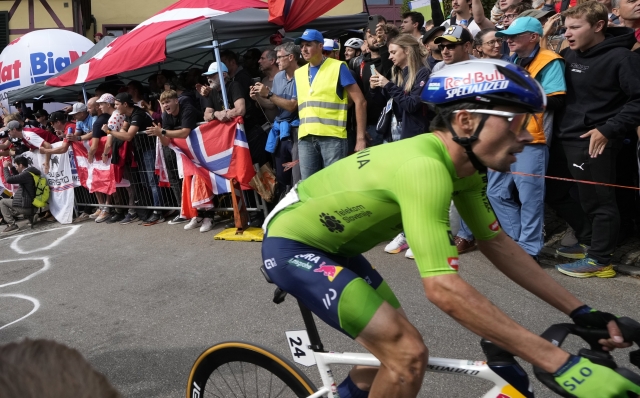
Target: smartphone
<point>256,80</point>
<point>372,23</point>
<point>373,70</point>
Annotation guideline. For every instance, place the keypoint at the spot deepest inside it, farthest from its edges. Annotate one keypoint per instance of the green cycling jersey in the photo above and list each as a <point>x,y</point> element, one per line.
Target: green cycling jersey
<point>372,195</point>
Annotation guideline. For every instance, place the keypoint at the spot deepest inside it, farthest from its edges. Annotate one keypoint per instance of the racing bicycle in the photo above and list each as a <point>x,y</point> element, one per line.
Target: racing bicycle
<point>240,369</point>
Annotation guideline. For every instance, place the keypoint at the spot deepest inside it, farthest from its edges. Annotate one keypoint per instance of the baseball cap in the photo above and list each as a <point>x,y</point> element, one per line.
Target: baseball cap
<point>14,124</point>
<point>310,35</point>
<point>537,14</point>
<point>213,69</point>
<point>57,117</point>
<point>106,98</point>
<point>427,36</point>
<point>41,113</point>
<point>454,34</point>
<point>521,25</point>
<point>125,98</point>
<point>330,45</point>
<point>78,107</point>
<point>100,35</point>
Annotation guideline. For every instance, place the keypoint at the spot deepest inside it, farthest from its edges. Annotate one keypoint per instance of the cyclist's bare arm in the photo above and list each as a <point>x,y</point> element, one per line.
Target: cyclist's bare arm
<point>516,264</point>
<point>471,309</point>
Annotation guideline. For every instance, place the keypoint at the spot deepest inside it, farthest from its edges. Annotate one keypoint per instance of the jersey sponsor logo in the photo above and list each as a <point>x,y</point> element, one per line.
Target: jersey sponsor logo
<point>453,263</point>
<point>296,262</point>
<point>332,223</point>
<point>328,298</point>
<point>330,271</point>
<point>270,263</point>
<point>494,226</point>
<point>354,213</point>
<point>362,158</point>
<point>309,256</point>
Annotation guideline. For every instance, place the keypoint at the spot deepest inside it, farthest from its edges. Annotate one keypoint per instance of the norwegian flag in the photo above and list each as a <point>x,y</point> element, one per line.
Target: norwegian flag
<point>208,158</point>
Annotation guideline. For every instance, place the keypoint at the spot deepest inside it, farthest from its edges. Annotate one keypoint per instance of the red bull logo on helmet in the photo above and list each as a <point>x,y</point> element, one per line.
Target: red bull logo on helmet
<point>477,82</point>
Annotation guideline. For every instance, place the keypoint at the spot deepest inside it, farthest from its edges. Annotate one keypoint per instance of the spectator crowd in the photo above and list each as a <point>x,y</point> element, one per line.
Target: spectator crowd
<point>310,102</point>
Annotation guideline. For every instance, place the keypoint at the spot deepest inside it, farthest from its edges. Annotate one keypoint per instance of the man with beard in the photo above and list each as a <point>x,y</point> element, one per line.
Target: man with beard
<point>435,56</point>
<point>378,58</point>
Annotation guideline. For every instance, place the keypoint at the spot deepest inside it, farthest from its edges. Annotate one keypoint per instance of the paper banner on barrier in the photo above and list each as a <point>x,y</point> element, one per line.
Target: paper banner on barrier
<point>60,180</point>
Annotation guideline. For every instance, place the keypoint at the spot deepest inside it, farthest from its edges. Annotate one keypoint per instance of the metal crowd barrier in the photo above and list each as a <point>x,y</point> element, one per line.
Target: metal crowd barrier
<point>147,194</point>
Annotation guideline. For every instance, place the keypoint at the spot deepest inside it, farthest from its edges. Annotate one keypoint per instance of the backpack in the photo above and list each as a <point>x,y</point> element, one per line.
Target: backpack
<point>42,191</point>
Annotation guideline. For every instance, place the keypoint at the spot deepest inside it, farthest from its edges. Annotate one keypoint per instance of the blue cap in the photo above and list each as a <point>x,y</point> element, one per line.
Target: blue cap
<point>310,35</point>
<point>213,69</point>
<point>521,25</point>
<point>330,45</point>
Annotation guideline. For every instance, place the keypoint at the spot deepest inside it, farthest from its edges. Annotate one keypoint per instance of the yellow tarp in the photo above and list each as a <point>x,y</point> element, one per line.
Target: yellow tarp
<point>251,234</point>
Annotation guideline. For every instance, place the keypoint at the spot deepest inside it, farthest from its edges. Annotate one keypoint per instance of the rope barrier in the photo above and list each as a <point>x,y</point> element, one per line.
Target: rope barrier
<point>572,180</point>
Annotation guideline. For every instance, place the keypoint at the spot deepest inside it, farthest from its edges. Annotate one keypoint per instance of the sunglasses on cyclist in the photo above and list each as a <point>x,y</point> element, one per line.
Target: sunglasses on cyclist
<point>450,47</point>
<point>517,121</point>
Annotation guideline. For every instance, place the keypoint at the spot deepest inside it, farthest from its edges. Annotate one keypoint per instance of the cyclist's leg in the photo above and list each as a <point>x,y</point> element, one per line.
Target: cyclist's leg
<point>350,304</point>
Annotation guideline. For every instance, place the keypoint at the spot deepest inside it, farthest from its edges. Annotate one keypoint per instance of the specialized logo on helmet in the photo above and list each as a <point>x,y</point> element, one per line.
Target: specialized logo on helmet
<point>332,223</point>
<point>478,82</point>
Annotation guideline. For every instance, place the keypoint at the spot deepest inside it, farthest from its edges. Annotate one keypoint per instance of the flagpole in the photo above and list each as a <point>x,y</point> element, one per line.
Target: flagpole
<point>84,93</point>
<point>216,54</point>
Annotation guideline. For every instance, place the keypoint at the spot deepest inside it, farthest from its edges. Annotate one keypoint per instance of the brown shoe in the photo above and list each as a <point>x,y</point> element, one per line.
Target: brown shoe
<point>11,228</point>
<point>464,246</point>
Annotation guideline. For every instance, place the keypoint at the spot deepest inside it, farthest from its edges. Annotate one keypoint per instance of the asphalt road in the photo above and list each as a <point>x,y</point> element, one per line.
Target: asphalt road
<point>141,303</point>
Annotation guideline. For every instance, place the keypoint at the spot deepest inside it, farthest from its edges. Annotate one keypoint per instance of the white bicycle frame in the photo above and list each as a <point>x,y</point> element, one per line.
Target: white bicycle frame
<point>501,388</point>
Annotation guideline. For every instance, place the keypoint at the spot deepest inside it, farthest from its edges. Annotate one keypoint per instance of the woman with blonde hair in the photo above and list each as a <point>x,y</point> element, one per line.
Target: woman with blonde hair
<point>409,76</point>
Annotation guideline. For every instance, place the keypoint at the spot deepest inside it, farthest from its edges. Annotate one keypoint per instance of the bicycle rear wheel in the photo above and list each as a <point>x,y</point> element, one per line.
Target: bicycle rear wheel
<point>238,369</point>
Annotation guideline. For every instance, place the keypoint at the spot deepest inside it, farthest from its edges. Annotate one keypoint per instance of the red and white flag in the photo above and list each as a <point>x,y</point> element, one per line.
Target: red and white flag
<point>208,158</point>
<point>98,176</point>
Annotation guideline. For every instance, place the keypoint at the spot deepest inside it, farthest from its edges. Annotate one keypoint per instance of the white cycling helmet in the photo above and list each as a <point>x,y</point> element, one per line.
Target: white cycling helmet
<point>354,42</point>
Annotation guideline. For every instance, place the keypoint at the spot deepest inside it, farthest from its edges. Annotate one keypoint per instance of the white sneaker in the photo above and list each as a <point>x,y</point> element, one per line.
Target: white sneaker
<point>195,222</point>
<point>397,245</point>
<point>207,225</point>
<point>409,253</point>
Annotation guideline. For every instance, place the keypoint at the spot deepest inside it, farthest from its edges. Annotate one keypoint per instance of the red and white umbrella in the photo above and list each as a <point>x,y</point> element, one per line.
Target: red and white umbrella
<point>146,44</point>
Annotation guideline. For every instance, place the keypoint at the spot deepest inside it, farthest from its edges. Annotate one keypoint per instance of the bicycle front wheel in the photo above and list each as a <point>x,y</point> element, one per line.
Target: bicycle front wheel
<point>238,369</point>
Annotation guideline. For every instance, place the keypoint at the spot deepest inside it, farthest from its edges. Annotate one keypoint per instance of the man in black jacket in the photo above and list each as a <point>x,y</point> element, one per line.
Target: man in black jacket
<point>602,105</point>
<point>378,57</point>
<point>24,195</point>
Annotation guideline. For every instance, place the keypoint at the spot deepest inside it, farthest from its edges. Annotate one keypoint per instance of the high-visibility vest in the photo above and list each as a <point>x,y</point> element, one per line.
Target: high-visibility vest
<point>536,123</point>
<point>320,109</point>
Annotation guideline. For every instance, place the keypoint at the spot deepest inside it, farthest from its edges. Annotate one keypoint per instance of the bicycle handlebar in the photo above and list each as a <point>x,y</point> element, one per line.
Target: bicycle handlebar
<point>556,334</point>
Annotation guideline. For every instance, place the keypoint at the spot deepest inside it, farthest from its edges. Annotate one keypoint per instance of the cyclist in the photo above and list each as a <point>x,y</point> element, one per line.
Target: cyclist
<point>316,234</point>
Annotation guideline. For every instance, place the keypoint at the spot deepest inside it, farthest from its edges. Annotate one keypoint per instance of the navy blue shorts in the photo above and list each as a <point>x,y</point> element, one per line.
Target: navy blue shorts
<point>345,292</point>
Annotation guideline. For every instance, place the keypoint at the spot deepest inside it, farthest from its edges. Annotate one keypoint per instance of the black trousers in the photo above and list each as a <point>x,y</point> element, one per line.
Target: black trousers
<point>562,196</point>
<point>597,202</point>
<point>171,163</point>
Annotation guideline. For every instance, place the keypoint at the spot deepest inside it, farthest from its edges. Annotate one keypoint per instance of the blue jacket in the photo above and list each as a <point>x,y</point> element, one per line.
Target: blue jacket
<point>279,130</point>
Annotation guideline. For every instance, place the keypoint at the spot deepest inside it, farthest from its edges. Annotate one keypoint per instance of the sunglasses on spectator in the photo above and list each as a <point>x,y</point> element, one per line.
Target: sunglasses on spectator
<point>282,56</point>
<point>509,16</point>
<point>493,42</point>
<point>450,46</point>
<point>517,121</point>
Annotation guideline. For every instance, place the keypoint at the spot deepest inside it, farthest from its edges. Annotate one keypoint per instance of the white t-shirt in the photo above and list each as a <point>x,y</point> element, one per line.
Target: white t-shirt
<point>473,26</point>
<point>440,65</point>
